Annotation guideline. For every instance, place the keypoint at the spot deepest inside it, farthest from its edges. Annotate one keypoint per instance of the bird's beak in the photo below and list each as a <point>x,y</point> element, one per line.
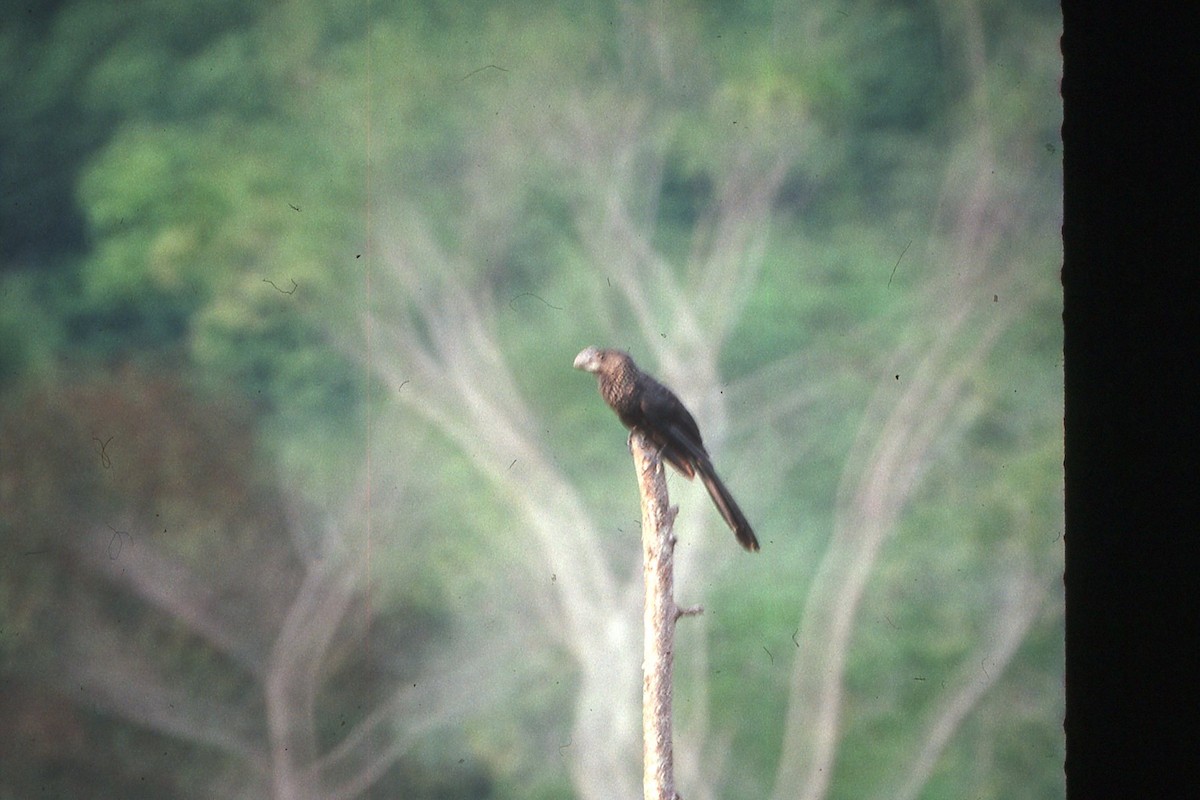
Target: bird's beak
<point>588,359</point>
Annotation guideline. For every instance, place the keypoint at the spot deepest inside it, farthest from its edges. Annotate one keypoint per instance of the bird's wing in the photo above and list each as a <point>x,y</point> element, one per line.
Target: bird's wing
<point>672,427</point>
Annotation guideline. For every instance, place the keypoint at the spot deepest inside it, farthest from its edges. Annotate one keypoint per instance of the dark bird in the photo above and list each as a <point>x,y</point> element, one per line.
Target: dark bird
<point>644,404</point>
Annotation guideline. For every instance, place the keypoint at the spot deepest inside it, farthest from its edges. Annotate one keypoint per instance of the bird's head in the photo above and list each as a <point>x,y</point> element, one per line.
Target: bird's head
<point>589,359</point>
<point>598,361</point>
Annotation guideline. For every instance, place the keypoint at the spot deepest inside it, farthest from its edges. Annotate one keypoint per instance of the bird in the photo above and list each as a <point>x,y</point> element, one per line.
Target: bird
<point>643,404</point>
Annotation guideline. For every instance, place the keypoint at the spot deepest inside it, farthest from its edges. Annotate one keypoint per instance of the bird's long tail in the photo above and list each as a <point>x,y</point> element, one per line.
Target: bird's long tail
<point>725,503</point>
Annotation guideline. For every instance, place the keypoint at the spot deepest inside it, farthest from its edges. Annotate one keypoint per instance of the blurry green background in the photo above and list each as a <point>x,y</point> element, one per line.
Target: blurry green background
<point>301,498</point>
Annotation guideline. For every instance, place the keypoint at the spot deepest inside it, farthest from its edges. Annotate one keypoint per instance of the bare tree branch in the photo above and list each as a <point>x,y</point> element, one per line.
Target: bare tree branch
<point>293,675</point>
<point>449,361</point>
<point>1023,600</point>
<point>103,663</point>
<point>659,617</point>
<point>171,586</point>
<point>893,449</point>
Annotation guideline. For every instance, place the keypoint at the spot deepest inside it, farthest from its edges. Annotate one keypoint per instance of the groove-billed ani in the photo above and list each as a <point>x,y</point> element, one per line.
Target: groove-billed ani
<point>644,404</point>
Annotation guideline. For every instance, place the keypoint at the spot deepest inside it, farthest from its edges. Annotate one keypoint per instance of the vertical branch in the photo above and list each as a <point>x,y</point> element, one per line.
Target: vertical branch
<point>294,672</point>
<point>661,613</point>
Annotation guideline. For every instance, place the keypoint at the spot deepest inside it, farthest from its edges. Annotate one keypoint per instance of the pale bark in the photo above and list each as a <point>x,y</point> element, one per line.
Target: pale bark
<point>658,622</point>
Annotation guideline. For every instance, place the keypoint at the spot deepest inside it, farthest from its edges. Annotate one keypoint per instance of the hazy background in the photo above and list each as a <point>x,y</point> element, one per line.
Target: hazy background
<point>301,498</point>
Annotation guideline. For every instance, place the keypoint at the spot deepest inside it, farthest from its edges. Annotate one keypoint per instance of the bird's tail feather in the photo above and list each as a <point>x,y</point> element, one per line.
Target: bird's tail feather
<point>725,503</point>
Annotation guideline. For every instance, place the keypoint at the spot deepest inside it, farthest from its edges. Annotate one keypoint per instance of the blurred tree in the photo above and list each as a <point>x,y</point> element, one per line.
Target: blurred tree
<point>169,615</point>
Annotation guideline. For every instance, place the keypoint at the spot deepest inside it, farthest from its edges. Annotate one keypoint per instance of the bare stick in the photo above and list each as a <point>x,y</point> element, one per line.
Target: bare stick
<point>661,612</point>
